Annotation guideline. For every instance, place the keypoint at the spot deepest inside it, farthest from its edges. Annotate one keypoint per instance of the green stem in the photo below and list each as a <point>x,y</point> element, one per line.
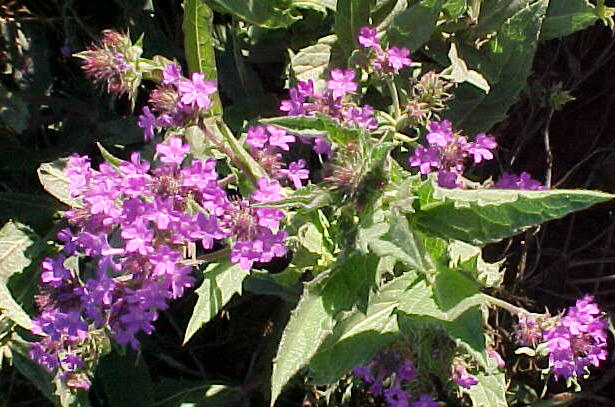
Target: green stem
<point>513,309</point>
<point>395,96</point>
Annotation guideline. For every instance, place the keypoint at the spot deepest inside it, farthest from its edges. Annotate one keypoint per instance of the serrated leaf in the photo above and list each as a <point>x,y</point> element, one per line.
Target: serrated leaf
<point>489,215</point>
<point>55,182</point>
<point>358,336</point>
<point>489,392</point>
<point>15,239</point>
<point>469,258</point>
<point>350,16</point>
<point>257,12</point>
<point>199,44</point>
<point>311,62</point>
<point>393,237</point>
<point>219,285</point>
<point>505,61</point>
<point>566,17</point>
<point>314,126</point>
<point>309,325</point>
<point>413,27</point>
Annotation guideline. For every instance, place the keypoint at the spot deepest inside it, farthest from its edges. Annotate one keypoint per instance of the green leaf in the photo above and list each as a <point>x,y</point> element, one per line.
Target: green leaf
<point>355,276</point>
<point>199,44</point>
<point>350,16</point>
<point>257,12</point>
<point>358,336</point>
<point>312,61</point>
<point>126,380</point>
<point>455,8</point>
<point>489,392</point>
<point>467,332</point>
<point>109,158</point>
<point>55,182</point>
<point>393,237</point>
<point>15,239</point>
<point>220,283</point>
<point>566,17</point>
<point>35,373</point>
<point>468,258</point>
<point>494,13</point>
<point>309,325</point>
<point>413,27</point>
<point>506,62</point>
<point>318,125</point>
<point>318,5</point>
<point>385,11</point>
<point>489,215</point>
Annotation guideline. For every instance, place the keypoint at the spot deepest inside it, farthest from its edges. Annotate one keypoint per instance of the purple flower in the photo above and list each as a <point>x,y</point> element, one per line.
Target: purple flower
<point>425,159</point>
<point>448,179</point>
<point>462,378</point>
<point>173,152</point>
<point>279,138</point>
<point>498,358</point>
<point>523,182</point>
<point>54,273</point>
<point>296,172</point>
<point>147,121</point>
<point>196,92</point>
<point>527,331</point>
<point>398,57</point>
<point>268,191</point>
<point>322,146</point>
<point>171,74</point>
<point>294,105</point>
<point>341,83</point>
<point>367,37</point>
<point>481,148</point>
<point>257,137</point>
<point>439,133</point>
<point>396,397</point>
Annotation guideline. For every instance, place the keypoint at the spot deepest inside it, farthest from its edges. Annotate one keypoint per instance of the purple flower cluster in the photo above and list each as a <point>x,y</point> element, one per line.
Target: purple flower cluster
<point>523,181</point>
<point>333,102</point>
<point>578,340</point>
<point>383,62</point>
<point>390,365</point>
<point>448,152</point>
<point>265,143</point>
<point>113,62</point>
<point>528,331</point>
<point>176,101</point>
<point>133,223</point>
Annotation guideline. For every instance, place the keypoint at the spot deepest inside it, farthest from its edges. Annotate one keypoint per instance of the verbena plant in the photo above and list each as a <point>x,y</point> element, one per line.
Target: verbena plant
<point>353,205</point>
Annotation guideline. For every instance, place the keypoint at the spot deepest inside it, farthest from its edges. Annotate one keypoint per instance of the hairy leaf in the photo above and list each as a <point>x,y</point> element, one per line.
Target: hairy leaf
<point>220,284</point>
<point>489,215</point>
<point>199,45</point>
<point>566,17</point>
<point>258,12</point>
<point>309,325</point>
<point>506,62</point>
<point>350,16</point>
<point>55,182</point>
<point>15,239</point>
<point>312,61</point>
<point>318,125</point>
<point>489,392</point>
<point>358,336</point>
<point>413,27</point>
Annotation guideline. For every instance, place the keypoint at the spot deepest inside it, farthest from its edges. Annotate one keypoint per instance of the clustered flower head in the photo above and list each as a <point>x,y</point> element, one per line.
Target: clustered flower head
<point>177,101</point>
<point>386,374</point>
<point>460,375</point>
<point>266,144</point>
<point>523,181</point>
<point>427,98</point>
<point>133,223</point>
<point>578,340</point>
<point>384,62</point>
<point>114,61</point>
<point>448,152</point>
<point>333,102</point>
